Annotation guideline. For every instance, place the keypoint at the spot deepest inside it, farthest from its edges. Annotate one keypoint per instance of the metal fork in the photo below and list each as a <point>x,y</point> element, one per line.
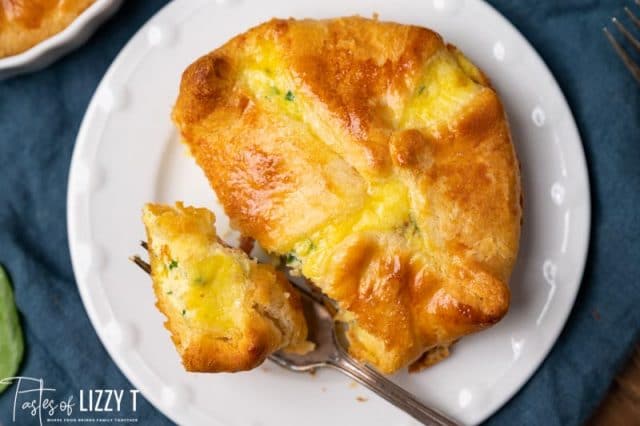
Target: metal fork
<point>328,335</point>
<point>628,62</point>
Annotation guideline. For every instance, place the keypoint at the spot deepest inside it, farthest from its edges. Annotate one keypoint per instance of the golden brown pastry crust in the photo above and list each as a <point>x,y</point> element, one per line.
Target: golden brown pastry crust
<point>430,357</point>
<point>379,159</point>
<point>25,23</point>
<point>269,313</point>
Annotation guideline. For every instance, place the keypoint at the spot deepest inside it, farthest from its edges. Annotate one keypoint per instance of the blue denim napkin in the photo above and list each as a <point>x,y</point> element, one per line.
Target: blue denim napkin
<point>40,115</point>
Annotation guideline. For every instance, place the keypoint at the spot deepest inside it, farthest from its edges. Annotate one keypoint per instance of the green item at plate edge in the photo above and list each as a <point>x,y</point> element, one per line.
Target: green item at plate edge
<point>11,341</point>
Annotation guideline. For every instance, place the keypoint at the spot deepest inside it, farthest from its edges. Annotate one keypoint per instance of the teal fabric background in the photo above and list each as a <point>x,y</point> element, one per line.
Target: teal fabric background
<point>40,115</point>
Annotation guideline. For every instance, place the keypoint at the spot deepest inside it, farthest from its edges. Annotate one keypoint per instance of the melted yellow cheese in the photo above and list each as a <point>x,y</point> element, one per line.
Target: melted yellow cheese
<point>215,290</point>
<point>203,281</point>
<point>265,76</point>
<point>206,288</point>
<point>441,91</point>
<point>274,90</point>
<point>442,88</point>
<point>385,210</point>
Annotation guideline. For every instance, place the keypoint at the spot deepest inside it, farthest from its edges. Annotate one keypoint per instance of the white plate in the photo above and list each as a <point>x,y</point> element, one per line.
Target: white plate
<point>52,48</point>
<point>127,153</point>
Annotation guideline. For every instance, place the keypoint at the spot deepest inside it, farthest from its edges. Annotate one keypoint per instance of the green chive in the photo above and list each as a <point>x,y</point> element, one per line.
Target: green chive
<point>291,258</point>
<point>289,96</point>
<point>310,246</point>
<point>11,336</point>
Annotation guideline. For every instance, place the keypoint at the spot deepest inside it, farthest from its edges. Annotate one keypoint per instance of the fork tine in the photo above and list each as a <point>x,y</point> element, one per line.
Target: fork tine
<point>144,245</point>
<point>634,42</point>
<point>631,66</point>
<point>632,16</point>
<point>310,294</point>
<point>141,263</point>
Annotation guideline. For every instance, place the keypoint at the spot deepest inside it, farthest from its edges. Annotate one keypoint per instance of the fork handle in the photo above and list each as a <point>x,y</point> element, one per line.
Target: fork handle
<point>389,391</point>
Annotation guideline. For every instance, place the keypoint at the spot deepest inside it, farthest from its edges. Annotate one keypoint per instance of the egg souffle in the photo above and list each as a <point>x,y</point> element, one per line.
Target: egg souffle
<point>372,157</point>
<point>25,23</point>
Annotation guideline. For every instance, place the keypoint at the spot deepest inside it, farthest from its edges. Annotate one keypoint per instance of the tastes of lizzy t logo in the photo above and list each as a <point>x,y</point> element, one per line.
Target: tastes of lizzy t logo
<point>33,400</point>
